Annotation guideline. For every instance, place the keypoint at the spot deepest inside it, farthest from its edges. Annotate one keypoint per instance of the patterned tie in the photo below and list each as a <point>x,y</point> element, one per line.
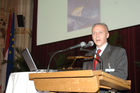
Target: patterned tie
<point>96,58</point>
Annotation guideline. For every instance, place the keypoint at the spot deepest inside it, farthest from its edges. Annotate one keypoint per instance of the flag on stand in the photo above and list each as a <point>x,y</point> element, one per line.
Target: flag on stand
<point>3,71</point>
<point>8,37</point>
<point>9,49</point>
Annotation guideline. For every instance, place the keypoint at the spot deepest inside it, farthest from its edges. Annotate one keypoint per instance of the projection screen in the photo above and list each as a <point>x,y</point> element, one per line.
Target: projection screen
<point>66,19</point>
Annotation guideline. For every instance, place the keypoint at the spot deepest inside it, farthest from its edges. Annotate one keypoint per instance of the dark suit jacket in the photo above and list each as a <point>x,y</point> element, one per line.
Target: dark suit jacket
<point>115,57</point>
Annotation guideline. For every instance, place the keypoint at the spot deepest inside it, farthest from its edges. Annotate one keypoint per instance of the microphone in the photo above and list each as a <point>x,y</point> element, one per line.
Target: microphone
<point>90,44</point>
<point>82,44</point>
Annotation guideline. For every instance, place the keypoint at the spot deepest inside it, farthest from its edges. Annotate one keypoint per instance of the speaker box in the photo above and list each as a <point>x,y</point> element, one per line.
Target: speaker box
<point>20,19</point>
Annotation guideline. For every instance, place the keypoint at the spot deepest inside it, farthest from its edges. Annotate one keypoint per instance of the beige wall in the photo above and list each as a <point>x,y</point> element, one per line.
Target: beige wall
<point>22,34</point>
<point>20,7</point>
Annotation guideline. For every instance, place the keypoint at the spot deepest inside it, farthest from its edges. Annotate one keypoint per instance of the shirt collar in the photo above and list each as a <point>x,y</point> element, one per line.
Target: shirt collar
<point>102,48</point>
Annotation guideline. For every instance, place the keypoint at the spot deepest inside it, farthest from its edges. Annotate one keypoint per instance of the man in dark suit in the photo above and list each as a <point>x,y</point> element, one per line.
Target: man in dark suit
<point>111,59</point>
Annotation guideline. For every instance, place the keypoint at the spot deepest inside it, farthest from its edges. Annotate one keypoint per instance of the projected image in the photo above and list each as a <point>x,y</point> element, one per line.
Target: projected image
<point>82,14</point>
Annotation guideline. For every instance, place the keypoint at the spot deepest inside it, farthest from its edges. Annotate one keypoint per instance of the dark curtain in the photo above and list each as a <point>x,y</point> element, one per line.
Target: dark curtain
<point>130,41</point>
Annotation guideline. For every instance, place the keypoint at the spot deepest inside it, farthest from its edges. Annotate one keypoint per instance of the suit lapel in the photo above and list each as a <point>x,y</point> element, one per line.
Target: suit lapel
<point>105,57</point>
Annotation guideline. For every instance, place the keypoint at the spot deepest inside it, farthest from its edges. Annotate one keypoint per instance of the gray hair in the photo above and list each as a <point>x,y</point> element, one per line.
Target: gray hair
<point>103,24</point>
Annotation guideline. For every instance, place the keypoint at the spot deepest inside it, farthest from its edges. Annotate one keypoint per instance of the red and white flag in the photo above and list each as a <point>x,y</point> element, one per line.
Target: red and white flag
<point>4,66</point>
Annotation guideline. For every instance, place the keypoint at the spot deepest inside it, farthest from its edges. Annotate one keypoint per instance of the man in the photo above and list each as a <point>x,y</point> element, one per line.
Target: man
<point>113,59</point>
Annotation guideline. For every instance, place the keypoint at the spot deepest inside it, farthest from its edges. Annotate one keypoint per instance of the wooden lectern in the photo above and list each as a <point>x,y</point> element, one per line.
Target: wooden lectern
<point>78,81</point>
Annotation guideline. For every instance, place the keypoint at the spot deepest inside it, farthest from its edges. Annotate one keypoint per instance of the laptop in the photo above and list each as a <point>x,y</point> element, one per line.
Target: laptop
<point>30,62</point>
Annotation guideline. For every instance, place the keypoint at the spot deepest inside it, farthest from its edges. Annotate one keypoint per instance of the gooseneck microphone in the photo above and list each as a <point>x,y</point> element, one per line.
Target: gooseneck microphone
<point>89,44</point>
<point>82,44</point>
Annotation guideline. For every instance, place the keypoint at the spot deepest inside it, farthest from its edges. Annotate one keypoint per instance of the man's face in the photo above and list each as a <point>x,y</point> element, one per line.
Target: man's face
<point>99,35</point>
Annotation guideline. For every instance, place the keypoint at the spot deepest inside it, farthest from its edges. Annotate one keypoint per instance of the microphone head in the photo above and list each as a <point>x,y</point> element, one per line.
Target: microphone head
<point>90,43</point>
<point>82,44</point>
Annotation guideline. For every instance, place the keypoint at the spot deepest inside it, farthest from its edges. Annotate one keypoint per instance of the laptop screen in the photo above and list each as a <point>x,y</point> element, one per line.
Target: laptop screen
<point>29,60</point>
